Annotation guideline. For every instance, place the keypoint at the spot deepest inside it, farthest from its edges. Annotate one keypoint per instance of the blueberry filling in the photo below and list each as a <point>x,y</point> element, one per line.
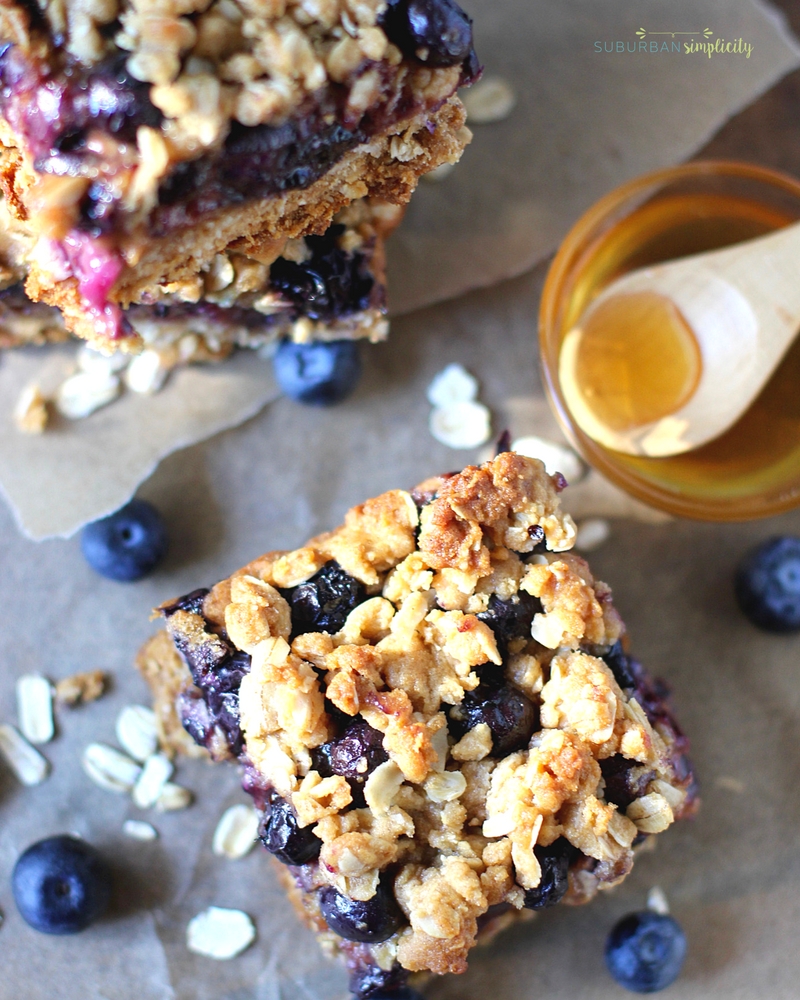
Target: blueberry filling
<point>622,786</point>
<point>511,716</point>
<point>327,285</point>
<point>511,618</point>
<point>280,834</point>
<point>370,921</point>
<point>554,862</point>
<point>354,756</point>
<point>323,602</point>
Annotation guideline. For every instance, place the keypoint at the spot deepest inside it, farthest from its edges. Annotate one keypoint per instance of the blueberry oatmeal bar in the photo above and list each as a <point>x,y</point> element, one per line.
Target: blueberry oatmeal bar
<point>328,287</point>
<point>436,714</point>
<point>140,139</point>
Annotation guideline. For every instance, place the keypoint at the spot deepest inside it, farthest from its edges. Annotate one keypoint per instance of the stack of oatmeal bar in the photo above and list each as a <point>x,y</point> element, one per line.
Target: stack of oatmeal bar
<point>186,176</point>
<point>436,714</point>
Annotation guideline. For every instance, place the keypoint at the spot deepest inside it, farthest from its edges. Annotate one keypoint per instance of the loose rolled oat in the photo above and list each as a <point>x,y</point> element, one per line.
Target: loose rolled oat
<point>437,717</point>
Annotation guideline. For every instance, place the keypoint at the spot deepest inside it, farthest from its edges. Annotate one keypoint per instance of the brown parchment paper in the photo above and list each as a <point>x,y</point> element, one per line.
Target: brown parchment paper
<point>584,122</point>
<point>732,876</point>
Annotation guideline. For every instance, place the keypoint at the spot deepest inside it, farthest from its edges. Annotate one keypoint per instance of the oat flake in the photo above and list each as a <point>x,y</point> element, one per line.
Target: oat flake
<point>28,765</point>
<point>156,772</point>
<point>35,708</point>
<point>220,933</point>
<point>173,797</point>
<point>453,384</point>
<point>556,457</point>
<point>591,534</point>
<point>136,731</point>
<point>137,829</point>
<point>109,768</point>
<point>489,100</point>
<point>461,425</point>
<point>236,832</point>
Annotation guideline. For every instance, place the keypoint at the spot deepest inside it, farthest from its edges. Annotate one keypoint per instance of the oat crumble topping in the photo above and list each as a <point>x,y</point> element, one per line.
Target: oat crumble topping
<point>438,693</point>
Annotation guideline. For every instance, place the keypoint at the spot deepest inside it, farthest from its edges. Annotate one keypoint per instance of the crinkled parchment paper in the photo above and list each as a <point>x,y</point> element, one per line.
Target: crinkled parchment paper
<point>584,122</point>
<point>732,876</point>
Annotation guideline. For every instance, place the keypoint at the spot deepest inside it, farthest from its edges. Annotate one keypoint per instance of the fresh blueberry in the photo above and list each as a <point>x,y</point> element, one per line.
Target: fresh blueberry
<point>354,756</point>
<point>436,32</point>
<point>554,862</point>
<point>280,834</point>
<point>645,951</point>
<point>320,373</point>
<point>510,715</point>
<point>127,545</point>
<point>324,601</point>
<point>511,618</point>
<point>767,585</point>
<point>60,885</point>
<point>370,921</point>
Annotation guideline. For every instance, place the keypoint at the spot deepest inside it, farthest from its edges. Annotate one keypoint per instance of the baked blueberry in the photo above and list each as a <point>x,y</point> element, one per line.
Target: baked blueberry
<point>369,980</point>
<point>127,545</point>
<point>354,755</point>
<point>401,993</point>
<point>331,283</point>
<point>554,861</point>
<point>620,664</point>
<point>436,32</point>
<point>324,601</point>
<point>511,618</point>
<point>767,585</point>
<point>645,951</point>
<point>510,715</point>
<point>60,885</point>
<point>625,780</point>
<point>370,921</point>
<point>280,834</point>
<point>320,373</point>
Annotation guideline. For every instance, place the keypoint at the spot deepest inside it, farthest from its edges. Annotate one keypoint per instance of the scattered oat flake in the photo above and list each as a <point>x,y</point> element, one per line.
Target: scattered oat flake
<point>31,413</point>
<point>220,933</point>
<point>236,832</point>
<point>556,457</point>
<point>490,100</point>
<point>156,772</point>
<point>137,829</point>
<point>28,765</point>
<point>83,687</point>
<point>731,784</point>
<point>461,425</point>
<point>136,731</point>
<point>439,173</point>
<point>109,768</point>
<point>35,708</point>
<point>592,533</point>
<point>82,394</point>
<point>96,362</point>
<point>173,797</point>
<point>657,901</point>
<point>145,373</point>
<point>453,384</point>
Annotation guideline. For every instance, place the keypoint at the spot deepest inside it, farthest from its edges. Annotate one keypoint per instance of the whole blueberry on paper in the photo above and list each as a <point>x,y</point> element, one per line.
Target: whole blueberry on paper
<point>127,545</point>
<point>60,885</point>
<point>319,373</point>
<point>645,951</point>
<point>767,585</point>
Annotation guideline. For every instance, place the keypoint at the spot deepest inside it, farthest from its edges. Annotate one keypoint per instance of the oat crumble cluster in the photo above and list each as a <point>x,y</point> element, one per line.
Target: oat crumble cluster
<point>436,714</point>
<point>142,140</point>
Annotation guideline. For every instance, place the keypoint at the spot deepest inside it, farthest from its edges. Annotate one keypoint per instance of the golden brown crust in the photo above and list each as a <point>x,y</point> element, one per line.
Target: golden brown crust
<point>167,676</point>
